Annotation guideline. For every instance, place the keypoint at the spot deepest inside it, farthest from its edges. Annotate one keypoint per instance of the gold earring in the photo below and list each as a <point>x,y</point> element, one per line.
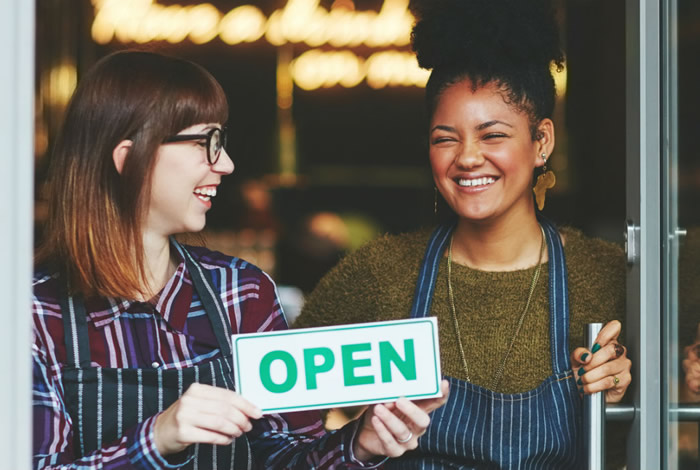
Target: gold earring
<point>435,201</point>
<point>545,181</point>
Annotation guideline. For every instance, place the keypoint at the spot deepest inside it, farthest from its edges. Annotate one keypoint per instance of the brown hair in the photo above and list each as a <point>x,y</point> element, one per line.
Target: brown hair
<point>93,231</point>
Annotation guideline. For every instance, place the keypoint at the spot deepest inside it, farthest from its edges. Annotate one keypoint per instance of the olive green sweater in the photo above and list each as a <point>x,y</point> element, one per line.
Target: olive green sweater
<point>377,283</point>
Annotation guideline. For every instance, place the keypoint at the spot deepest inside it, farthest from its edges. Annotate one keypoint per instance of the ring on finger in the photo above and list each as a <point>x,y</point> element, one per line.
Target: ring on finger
<point>616,380</point>
<point>408,438</point>
<point>619,350</point>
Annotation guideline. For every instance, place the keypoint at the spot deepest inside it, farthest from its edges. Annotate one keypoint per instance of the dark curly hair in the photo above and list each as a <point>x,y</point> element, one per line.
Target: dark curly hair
<point>511,43</point>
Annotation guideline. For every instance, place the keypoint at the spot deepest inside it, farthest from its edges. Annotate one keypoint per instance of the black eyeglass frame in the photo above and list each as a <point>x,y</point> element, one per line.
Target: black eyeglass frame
<point>212,159</point>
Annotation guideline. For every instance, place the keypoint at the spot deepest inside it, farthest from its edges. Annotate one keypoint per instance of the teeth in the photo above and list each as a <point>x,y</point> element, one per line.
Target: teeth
<point>476,181</point>
<point>210,192</point>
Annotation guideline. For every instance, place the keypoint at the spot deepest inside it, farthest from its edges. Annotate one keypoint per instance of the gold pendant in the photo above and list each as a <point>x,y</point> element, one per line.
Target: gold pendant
<point>544,182</point>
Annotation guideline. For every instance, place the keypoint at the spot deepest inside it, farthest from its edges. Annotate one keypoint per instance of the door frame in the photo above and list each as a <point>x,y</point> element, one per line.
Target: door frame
<point>17,54</point>
<point>643,134</point>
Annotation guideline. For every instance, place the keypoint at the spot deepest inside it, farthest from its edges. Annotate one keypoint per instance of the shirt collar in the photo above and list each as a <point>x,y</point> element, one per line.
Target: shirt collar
<point>103,311</point>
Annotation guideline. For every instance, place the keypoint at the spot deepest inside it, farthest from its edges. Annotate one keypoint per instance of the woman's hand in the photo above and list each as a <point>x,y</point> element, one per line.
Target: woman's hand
<point>203,414</point>
<point>393,428</point>
<point>605,367</point>
<point>691,364</point>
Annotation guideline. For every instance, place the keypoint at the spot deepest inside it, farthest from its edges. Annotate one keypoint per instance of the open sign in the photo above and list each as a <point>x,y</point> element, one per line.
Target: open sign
<point>345,365</point>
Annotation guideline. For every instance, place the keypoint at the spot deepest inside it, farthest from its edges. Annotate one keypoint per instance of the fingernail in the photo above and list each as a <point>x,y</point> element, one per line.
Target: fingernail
<point>581,371</point>
<point>583,358</point>
<point>595,349</point>
<point>579,382</point>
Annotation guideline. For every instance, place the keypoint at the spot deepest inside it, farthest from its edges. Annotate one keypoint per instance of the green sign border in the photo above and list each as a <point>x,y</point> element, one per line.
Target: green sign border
<point>339,328</point>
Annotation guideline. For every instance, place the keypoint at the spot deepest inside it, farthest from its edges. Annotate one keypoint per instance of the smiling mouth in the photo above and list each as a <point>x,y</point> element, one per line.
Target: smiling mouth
<point>205,194</point>
<point>475,182</point>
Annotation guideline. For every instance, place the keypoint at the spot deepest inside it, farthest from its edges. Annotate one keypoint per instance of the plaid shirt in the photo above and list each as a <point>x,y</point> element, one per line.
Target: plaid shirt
<point>173,332</point>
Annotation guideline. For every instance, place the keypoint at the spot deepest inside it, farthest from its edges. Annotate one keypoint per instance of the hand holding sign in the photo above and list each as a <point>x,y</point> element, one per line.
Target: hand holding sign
<point>393,428</point>
<point>205,415</point>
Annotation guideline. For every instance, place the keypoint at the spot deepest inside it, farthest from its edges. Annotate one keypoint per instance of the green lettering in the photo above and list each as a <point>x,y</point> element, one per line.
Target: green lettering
<point>407,366</point>
<point>266,378</point>
<point>350,364</point>
<point>312,369</point>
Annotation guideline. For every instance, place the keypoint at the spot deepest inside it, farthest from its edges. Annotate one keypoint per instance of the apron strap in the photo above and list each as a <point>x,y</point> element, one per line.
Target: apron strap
<point>75,331</point>
<point>558,297</point>
<point>211,302</point>
<point>425,286</point>
<point>74,316</point>
<point>558,287</point>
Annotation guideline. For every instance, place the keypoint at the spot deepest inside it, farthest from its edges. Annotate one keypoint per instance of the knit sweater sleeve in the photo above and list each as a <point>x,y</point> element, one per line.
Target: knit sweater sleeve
<point>374,283</point>
<point>347,294</point>
<point>597,283</point>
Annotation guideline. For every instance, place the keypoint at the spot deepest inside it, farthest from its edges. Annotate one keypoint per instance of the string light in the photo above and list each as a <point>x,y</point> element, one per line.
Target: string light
<point>243,24</point>
<point>316,69</point>
<point>299,21</point>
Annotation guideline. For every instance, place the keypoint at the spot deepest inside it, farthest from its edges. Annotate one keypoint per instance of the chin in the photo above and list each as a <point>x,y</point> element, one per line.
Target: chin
<point>194,227</point>
<point>476,214</point>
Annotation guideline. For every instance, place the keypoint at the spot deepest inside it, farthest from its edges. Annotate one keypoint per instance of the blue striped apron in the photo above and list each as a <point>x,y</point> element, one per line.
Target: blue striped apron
<point>105,402</point>
<point>481,429</point>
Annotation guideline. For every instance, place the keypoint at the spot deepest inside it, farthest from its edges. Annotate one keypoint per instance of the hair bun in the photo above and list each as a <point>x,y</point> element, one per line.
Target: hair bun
<point>485,34</point>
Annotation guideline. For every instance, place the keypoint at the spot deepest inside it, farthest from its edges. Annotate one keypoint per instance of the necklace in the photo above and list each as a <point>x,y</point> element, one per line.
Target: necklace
<point>499,372</point>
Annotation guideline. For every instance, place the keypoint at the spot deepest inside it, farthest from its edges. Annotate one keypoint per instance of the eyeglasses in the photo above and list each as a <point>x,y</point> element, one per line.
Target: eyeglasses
<point>215,141</point>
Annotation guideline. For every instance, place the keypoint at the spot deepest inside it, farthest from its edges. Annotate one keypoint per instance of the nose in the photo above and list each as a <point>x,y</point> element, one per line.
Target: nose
<point>469,156</point>
<point>224,165</point>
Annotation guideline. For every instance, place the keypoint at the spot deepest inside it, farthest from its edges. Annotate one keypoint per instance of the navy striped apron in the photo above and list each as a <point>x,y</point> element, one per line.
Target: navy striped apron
<point>105,402</point>
<point>481,429</point>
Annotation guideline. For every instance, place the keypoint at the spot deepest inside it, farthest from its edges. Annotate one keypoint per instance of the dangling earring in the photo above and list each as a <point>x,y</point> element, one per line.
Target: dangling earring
<point>545,181</point>
<point>435,201</point>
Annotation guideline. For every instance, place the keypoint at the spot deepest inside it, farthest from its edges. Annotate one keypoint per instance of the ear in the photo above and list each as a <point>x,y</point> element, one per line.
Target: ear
<point>119,154</point>
<point>544,143</point>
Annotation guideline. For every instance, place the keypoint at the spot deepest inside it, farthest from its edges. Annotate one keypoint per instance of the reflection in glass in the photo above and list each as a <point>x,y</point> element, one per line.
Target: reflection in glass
<point>683,228</point>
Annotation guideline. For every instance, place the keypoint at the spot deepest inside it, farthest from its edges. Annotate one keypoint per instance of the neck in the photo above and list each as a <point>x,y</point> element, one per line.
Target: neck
<point>498,246</point>
<point>158,263</point>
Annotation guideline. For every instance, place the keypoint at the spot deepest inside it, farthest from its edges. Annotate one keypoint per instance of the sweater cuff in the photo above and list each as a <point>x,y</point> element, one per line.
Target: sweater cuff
<point>349,454</point>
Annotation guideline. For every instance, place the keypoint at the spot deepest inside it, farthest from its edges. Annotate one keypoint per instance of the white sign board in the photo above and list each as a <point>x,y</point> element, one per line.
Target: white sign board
<point>345,365</point>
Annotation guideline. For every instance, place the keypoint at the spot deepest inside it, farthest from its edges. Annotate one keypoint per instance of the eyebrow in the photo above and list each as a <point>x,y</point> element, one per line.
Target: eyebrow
<point>486,124</point>
<point>443,128</point>
<point>480,127</point>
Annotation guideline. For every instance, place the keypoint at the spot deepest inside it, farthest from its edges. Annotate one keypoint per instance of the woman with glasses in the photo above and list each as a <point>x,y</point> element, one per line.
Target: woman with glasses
<point>131,349</point>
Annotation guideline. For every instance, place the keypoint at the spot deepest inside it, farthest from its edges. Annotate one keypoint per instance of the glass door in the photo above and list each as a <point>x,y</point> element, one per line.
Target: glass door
<point>680,231</point>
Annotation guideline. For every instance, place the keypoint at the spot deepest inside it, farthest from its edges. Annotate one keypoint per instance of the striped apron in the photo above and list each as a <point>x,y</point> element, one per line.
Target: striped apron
<point>104,402</point>
<point>481,429</point>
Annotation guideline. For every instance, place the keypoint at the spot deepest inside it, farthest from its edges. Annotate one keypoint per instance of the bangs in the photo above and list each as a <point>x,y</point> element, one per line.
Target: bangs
<point>198,99</point>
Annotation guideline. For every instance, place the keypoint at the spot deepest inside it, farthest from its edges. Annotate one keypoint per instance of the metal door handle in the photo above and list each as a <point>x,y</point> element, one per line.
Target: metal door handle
<point>632,242</point>
<point>594,414</point>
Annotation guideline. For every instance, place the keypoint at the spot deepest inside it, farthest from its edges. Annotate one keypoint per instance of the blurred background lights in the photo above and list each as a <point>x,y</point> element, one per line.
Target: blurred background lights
<point>299,21</point>
<point>204,23</point>
<point>559,80</point>
<point>243,24</point>
<point>62,80</point>
<point>315,69</point>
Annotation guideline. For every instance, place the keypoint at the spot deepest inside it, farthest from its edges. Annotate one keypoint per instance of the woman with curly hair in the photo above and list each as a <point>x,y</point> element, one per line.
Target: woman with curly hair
<point>511,290</point>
